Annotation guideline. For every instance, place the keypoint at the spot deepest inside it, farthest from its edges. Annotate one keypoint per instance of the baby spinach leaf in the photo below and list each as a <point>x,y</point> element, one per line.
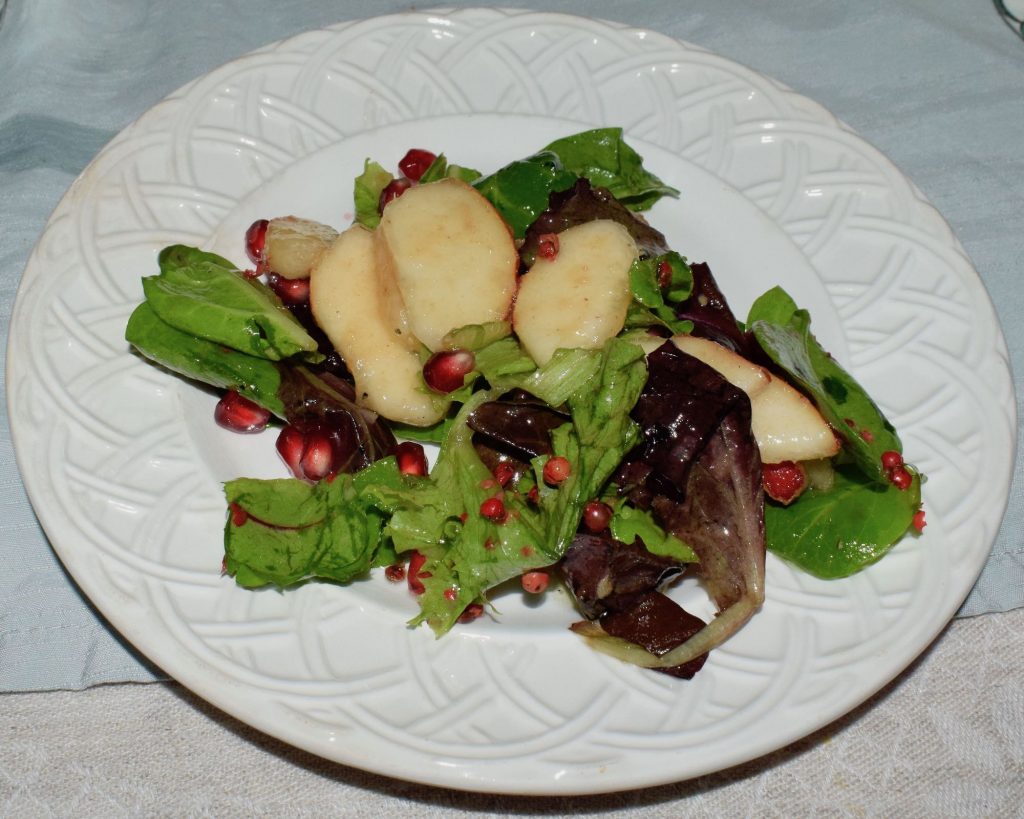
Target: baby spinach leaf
<point>519,191</point>
<point>784,333</point>
<point>256,378</point>
<point>205,295</point>
<point>604,157</point>
<point>838,532</point>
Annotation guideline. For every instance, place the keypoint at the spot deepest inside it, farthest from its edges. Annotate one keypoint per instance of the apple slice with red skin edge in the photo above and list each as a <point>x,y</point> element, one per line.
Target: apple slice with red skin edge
<point>786,425</point>
<point>355,301</point>
<point>292,246</point>
<point>454,258</point>
<point>580,296</point>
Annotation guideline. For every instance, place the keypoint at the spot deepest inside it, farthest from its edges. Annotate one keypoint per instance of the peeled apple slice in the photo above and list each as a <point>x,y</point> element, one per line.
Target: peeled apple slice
<point>786,425</point>
<point>355,301</point>
<point>454,259</point>
<point>580,297</point>
<point>293,246</point>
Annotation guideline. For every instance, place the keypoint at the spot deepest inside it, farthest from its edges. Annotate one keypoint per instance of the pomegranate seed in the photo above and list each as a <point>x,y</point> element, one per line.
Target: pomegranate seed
<point>416,562</point>
<point>493,509</point>
<point>255,241</point>
<point>597,516</point>
<point>891,459</point>
<point>547,246</point>
<point>394,189</point>
<point>238,515</point>
<point>664,274</point>
<point>239,414</point>
<point>919,522</point>
<point>866,435</point>
<point>900,478</point>
<point>290,291</point>
<point>471,612</point>
<point>534,582</point>
<point>504,472</point>
<point>317,456</point>
<point>412,460</point>
<point>395,573</point>
<point>415,163</point>
<point>290,444</point>
<point>527,551</point>
<point>489,544</point>
<point>556,470</point>
<point>783,481</point>
<point>446,371</point>
<point>533,496</point>
<point>451,594</point>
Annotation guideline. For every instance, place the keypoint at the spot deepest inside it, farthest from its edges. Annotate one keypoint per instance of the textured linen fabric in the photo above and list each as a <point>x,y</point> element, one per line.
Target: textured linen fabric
<point>938,742</point>
<point>935,85</point>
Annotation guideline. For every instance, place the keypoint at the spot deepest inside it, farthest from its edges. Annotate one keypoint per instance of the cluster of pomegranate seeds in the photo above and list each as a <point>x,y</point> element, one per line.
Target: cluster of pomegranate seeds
<point>394,189</point>
<point>312,454</point>
<point>597,516</point>
<point>255,242</point>
<point>415,163</point>
<point>446,371</point>
<point>556,470</point>
<point>239,414</point>
<point>783,481</point>
<point>290,291</point>
<point>412,167</point>
<point>412,459</point>
<point>395,573</point>
<point>899,475</point>
<point>547,246</point>
<point>493,509</point>
<point>535,582</point>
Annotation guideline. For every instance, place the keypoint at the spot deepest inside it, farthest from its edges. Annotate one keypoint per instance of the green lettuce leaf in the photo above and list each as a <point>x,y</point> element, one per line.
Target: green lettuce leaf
<point>653,305</point>
<point>440,168</point>
<point>629,523</point>
<point>369,185</point>
<point>292,531</point>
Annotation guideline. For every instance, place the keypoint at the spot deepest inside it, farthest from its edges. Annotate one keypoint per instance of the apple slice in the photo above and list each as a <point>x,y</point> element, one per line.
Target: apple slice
<point>786,425</point>
<point>580,297</point>
<point>356,302</point>
<point>453,255</point>
<point>293,246</point>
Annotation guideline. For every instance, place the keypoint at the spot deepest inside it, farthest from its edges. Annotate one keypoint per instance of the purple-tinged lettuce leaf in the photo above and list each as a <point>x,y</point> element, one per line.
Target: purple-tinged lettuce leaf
<point>698,446</point>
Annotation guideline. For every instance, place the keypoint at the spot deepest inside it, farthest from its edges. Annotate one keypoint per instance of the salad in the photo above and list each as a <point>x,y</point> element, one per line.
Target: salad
<point>602,418</point>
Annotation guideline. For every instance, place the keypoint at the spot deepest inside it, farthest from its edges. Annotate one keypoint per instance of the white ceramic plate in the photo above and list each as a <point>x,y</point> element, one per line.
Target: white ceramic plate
<point>123,462</point>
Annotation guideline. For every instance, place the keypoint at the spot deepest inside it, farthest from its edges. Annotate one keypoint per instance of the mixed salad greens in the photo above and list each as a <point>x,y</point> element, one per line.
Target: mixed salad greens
<point>671,440</point>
